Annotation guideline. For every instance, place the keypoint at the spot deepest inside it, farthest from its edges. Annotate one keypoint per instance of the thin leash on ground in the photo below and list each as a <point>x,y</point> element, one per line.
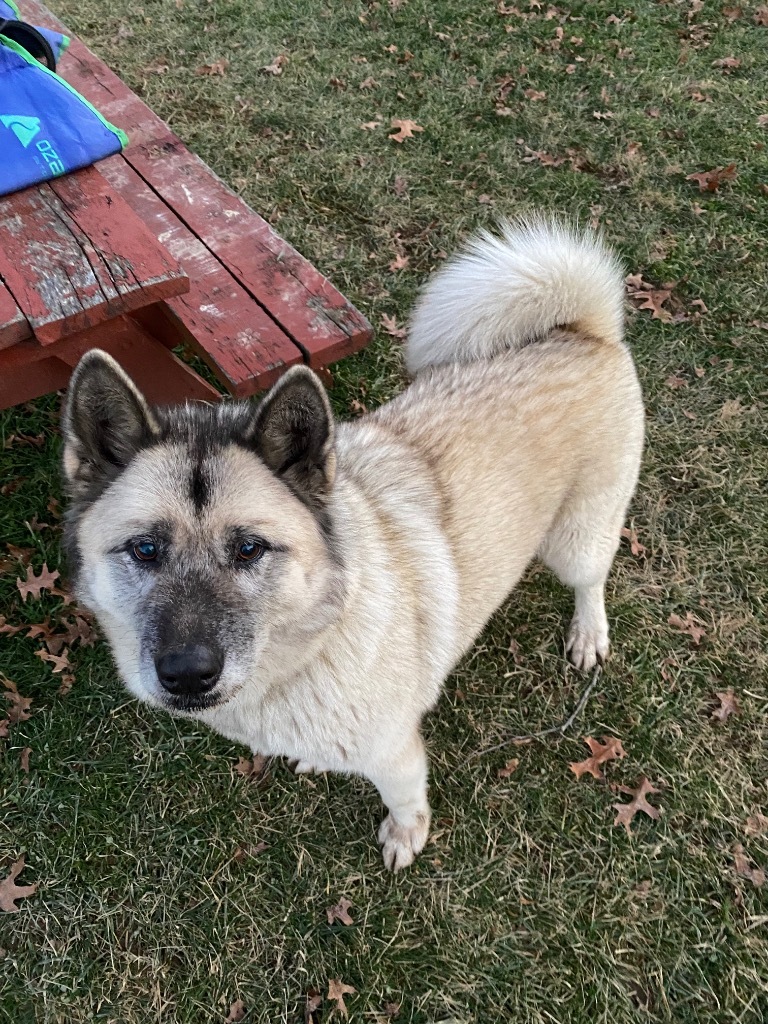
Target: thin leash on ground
<point>553,729</point>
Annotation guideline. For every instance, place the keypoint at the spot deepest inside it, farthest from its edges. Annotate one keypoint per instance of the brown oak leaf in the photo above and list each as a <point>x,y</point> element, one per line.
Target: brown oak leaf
<point>405,129</point>
<point>726,64</point>
<point>7,628</point>
<point>312,1005</point>
<point>534,95</point>
<point>10,892</point>
<point>653,300</point>
<point>610,748</point>
<point>340,912</point>
<point>4,728</point>
<point>218,67</point>
<point>19,711</point>
<point>400,262</point>
<point>741,863</point>
<point>760,17</point>
<point>710,181</point>
<point>237,1011</point>
<point>67,681</point>
<point>690,625</point>
<point>337,990</point>
<point>508,768</point>
<point>637,549</point>
<point>276,67</point>
<point>756,824</point>
<point>626,812</point>
<point>34,584</point>
<point>254,768</point>
<point>24,759</point>
<point>390,326</point>
<point>728,705</point>
<point>60,662</point>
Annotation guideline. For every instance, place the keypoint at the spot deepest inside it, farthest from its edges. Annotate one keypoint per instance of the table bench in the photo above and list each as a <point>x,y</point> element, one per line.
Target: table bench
<point>148,251</point>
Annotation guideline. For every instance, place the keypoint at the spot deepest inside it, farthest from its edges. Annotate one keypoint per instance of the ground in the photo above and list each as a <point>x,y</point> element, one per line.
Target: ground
<point>169,886</point>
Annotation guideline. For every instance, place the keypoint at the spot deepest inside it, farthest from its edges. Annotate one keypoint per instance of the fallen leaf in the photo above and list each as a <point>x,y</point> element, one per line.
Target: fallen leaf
<point>370,126</point>
<point>400,262</point>
<point>59,663</point>
<point>626,812</point>
<point>369,83</point>
<point>731,408</point>
<point>756,824</point>
<point>637,549</point>
<point>762,121</point>
<point>252,768</point>
<point>313,1004</point>
<point>690,625</point>
<point>24,759</point>
<point>675,381</point>
<point>357,407</point>
<point>156,68</point>
<point>34,584</point>
<point>67,681</point>
<point>610,748</point>
<point>729,705</point>
<point>218,67</point>
<point>20,706</point>
<point>727,64</point>
<point>710,181</point>
<point>508,768</point>
<point>337,990</point>
<point>732,13</point>
<point>654,300</point>
<point>340,912</point>
<point>534,95</point>
<point>744,869</point>
<point>10,892</point>
<point>405,129</point>
<point>4,728</point>
<point>237,1011</point>
<point>760,17</point>
<point>390,326</point>
<point>276,67</point>
<point>7,628</point>
<point>391,1009</point>
<point>602,115</point>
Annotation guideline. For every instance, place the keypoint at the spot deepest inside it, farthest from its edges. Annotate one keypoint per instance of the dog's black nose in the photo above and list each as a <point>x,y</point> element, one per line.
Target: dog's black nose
<point>189,670</point>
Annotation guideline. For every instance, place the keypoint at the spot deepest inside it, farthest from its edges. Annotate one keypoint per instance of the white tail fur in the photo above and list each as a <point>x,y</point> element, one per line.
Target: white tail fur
<point>503,292</point>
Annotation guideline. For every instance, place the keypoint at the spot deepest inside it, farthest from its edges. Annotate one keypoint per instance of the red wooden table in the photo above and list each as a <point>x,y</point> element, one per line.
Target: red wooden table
<point>148,251</point>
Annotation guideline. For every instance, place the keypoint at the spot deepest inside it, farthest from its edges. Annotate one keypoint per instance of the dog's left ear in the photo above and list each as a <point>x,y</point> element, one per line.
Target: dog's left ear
<point>293,433</point>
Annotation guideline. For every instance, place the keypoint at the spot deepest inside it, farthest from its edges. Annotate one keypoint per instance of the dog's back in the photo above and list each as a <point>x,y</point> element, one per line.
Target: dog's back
<point>527,409</point>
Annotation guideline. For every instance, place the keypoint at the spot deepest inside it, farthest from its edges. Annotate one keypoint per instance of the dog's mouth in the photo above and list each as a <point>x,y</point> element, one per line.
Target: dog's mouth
<point>190,703</point>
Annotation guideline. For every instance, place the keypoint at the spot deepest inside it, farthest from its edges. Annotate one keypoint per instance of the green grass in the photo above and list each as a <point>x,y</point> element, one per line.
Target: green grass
<point>527,905</point>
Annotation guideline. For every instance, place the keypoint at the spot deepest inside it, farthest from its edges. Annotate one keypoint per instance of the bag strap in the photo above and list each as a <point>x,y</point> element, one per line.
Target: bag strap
<point>33,41</point>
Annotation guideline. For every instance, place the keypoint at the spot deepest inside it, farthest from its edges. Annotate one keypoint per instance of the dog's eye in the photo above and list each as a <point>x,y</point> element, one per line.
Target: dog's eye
<point>249,551</point>
<point>144,551</point>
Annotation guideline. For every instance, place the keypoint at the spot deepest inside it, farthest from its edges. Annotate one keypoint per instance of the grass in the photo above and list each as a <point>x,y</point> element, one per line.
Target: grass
<point>527,905</point>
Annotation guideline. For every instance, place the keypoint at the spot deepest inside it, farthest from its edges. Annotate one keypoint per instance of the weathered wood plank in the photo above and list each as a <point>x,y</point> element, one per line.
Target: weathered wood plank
<point>294,293</point>
<point>161,375</point>
<point>219,320</point>
<point>14,326</point>
<point>73,254</point>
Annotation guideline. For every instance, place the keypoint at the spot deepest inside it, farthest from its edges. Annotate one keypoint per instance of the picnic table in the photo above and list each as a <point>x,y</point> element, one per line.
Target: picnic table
<point>148,251</point>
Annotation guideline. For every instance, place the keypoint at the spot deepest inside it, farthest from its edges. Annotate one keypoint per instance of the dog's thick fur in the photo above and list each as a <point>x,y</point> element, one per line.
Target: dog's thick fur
<point>388,541</point>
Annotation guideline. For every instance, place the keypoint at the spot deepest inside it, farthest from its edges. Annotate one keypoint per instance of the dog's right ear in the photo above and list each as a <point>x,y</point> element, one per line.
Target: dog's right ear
<point>106,421</point>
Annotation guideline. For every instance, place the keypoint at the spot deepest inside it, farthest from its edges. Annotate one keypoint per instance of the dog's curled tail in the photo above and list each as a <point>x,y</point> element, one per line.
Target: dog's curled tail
<point>507,290</point>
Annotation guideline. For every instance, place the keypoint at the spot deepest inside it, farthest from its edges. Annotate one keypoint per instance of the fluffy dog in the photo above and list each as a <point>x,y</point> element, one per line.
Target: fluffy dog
<point>304,587</point>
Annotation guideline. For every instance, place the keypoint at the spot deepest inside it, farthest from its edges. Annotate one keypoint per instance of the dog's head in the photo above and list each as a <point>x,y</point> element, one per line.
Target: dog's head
<point>200,535</point>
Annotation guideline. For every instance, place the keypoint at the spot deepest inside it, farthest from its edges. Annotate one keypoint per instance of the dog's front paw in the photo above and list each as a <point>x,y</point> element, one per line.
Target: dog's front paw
<point>401,843</point>
<point>587,645</point>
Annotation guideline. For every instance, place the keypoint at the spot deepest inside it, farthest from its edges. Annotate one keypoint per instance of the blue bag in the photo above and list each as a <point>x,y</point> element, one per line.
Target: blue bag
<point>46,127</point>
<point>51,46</point>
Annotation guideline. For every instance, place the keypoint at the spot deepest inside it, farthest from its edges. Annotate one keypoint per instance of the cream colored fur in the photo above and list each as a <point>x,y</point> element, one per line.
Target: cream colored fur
<point>520,437</point>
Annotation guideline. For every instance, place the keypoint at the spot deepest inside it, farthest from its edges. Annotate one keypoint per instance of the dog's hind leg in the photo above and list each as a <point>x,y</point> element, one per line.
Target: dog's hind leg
<point>579,548</point>
<point>402,781</point>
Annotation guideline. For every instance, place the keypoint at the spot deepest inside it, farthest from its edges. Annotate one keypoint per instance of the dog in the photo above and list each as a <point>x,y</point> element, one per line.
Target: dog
<point>303,586</point>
